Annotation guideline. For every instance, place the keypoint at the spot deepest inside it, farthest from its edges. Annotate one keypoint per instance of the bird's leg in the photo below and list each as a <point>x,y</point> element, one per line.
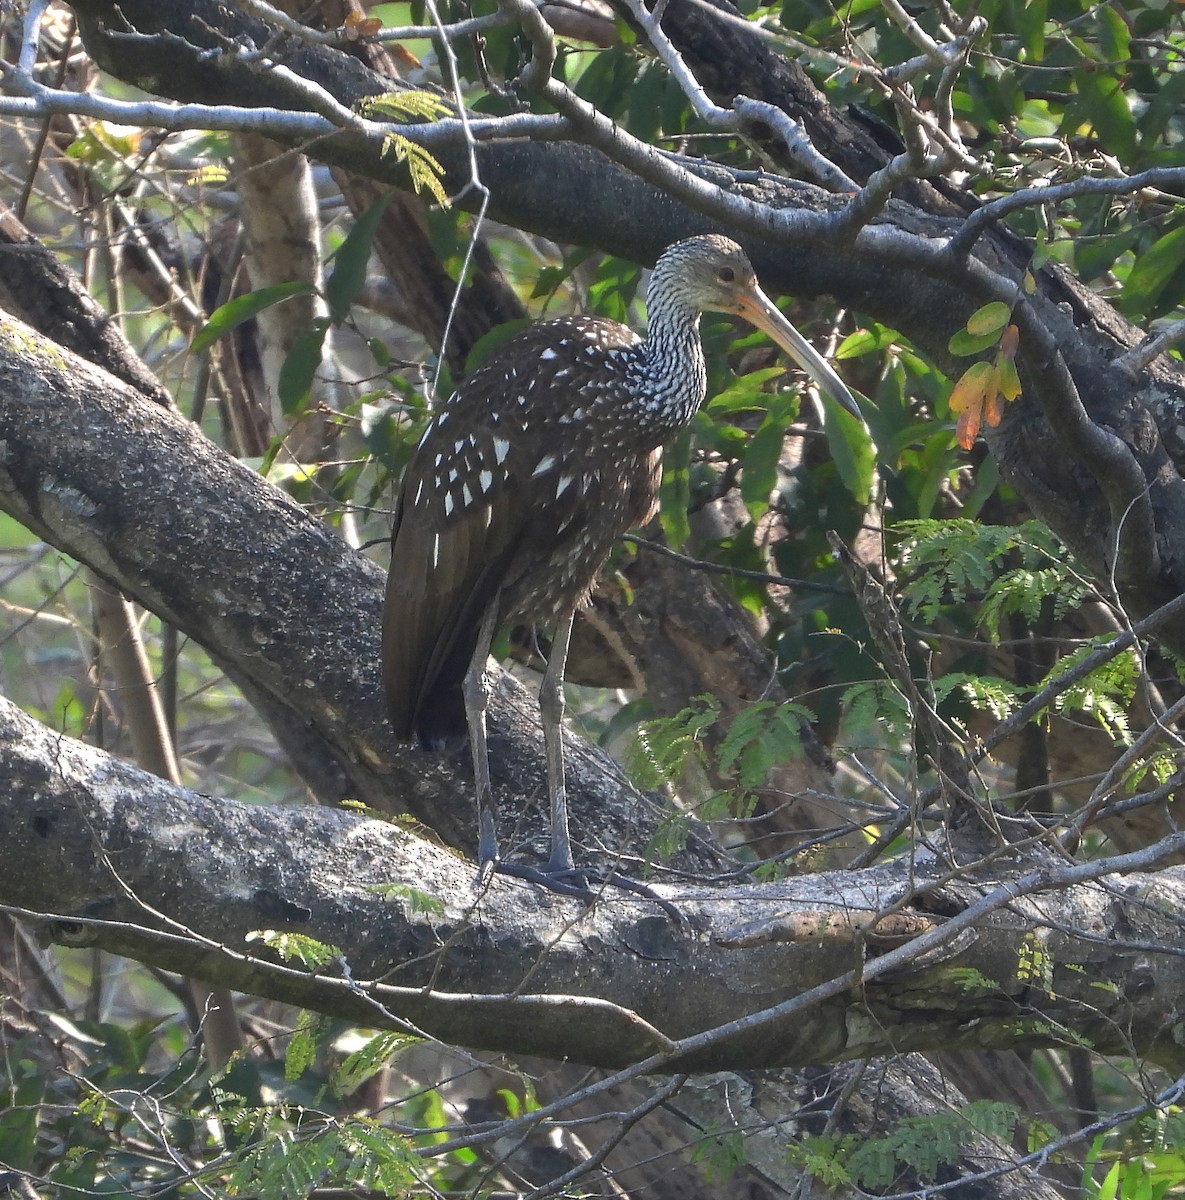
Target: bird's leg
<point>476,692</point>
<point>560,874</point>
<point>560,865</point>
<point>551,708</point>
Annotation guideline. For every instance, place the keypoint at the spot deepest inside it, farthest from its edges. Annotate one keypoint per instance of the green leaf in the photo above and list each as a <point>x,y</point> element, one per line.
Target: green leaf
<point>302,1046</point>
<point>1163,108</point>
<point>296,375</point>
<point>1093,256</point>
<point>674,492</point>
<point>349,263</point>
<point>866,341</point>
<point>759,464</point>
<point>242,308</point>
<point>298,946</point>
<point>763,735</point>
<point>1114,36</point>
<point>414,901</point>
<point>1110,1187</point>
<point>489,343</point>
<point>663,747</point>
<point>852,448</point>
<point>363,1063</point>
<point>19,1121</point>
<point>1103,101</point>
<point>965,344</point>
<point>744,394</point>
<point>991,318</point>
<point>1153,274</point>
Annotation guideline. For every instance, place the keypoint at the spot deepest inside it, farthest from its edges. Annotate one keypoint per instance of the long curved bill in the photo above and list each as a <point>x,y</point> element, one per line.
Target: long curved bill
<point>760,311</point>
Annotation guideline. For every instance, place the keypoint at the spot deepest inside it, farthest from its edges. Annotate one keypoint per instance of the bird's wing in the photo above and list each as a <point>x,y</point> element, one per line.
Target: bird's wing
<point>453,535</point>
<point>474,511</point>
<point>478,508</point>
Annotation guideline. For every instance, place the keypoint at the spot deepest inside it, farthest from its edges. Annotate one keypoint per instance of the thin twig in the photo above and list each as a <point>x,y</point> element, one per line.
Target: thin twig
<point>1152,347</point>
<point>711,568</point>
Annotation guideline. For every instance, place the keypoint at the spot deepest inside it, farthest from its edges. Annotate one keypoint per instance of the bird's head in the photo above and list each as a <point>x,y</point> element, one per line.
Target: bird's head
<point>713,274</point>
<point>708,273</point>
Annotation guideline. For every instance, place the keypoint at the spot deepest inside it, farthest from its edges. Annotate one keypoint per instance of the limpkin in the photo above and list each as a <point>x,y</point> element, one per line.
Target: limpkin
<point>525,478</point>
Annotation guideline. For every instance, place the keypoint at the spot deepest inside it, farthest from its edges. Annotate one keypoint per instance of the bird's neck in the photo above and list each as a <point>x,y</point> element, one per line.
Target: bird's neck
<point>672,377</point>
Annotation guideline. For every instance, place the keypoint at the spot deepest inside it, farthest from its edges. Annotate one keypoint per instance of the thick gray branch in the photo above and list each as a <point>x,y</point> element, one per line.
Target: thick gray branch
<point>292,613</point>
<point>180,879</point>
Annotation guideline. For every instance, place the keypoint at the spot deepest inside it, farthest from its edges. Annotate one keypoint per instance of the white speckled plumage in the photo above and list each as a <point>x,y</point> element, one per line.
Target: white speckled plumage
<point>531,471</point>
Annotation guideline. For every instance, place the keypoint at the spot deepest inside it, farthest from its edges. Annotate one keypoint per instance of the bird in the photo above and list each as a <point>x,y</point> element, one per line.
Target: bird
<point>521,484</point>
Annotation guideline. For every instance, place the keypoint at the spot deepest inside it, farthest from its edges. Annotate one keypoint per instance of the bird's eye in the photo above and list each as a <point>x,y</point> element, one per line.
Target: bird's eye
<point>726,275</point>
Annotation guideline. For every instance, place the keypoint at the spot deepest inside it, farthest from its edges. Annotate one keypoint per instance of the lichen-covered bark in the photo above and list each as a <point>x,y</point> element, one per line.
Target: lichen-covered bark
<point>120,859</point>
<point>292,613</point>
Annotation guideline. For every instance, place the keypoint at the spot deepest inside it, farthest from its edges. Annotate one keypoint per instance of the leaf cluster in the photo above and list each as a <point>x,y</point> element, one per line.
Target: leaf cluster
<point>1021,570</point>
<point>922,1145</point>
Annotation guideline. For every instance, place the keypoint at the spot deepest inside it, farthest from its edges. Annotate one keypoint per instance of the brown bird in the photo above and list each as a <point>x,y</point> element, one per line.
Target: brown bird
<point>524,480</point>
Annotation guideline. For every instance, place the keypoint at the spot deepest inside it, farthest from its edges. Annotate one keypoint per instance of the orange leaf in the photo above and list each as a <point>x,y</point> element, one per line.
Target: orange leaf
<point>1007,380</point>
<point>968,427</point>
<point>994,410</point>
<point>358,26</point>
<point>972,388</point>
<point>1009,341</point>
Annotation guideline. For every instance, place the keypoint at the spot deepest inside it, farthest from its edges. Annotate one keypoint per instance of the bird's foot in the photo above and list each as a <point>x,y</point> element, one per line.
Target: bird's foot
<point>583,882</point>
<point>568,882</point>
<point>626,884</point>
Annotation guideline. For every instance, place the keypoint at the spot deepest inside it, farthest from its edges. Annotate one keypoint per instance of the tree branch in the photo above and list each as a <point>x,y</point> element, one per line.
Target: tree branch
<point>832,970</point>
<point>142,497</point>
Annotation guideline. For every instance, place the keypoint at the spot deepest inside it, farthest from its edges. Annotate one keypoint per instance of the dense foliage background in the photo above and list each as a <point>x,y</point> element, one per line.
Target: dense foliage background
<point>895,705</point>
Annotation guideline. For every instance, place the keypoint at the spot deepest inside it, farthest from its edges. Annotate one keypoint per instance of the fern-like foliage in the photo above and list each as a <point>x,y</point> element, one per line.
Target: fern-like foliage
<point>763,735</point>
<point>987,693</point>
<point>875,713</point>
<point>281,1159</point>
<point>307,1038</point>
<point>369,1058</point>
<point>415,901</point>
<point>297,946</point>
<point>1009,569</point>
<point>425,169</point>
<point>720,1152</point>
<point>665,747</point>
<point>922,1144</point>
<point>1105,695</point>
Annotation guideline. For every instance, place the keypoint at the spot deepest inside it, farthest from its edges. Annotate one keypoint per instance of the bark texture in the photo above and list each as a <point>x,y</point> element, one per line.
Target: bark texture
<point>144,868</point>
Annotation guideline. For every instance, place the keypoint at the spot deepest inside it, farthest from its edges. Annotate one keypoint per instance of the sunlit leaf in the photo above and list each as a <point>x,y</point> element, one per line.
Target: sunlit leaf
<point>1007,380</point>
<point>1114,35</point>
<point>242,308</point>
<point>964,344</point>
<point>744,394</point>
<point>972,387</point>
<point>298,946</point>
<point>991,318</point>
<point>349,263</point>
<point>866,341</point>
<point>852,449</point>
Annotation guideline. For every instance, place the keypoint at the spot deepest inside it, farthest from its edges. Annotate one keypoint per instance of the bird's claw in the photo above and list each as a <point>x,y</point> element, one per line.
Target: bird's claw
<point>568,880</point>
